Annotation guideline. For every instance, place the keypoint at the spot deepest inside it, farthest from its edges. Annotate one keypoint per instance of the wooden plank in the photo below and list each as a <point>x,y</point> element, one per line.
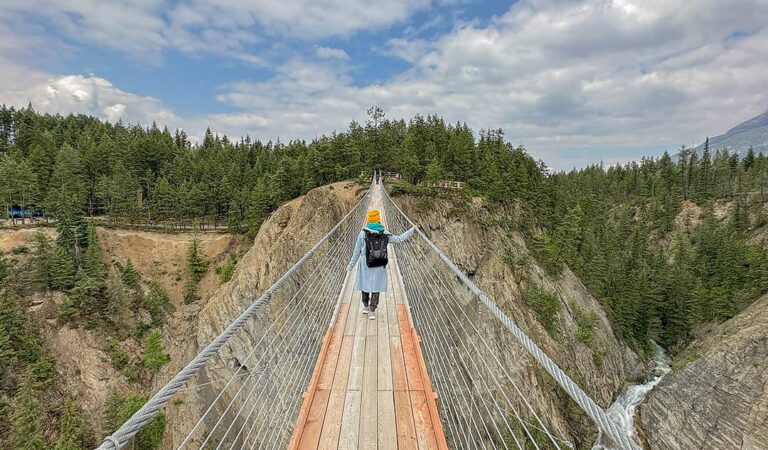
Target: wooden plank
<point>425,434</point>
<point>310,393</point>
<point>430,395</point>
<point>353,298</point>
<point>397,280</point>
<point>406,432</point>
<point>355,315</point>
<point>372,326</point>
<point>357,362</point>
<point>384,358</point>
<point>387,430</point>
<point>332,355</point>
<point>412,370</point>
<point>342,367</point>
<point>394,329</point>
<point>329,438</point>
<point>370,400</point>
<point>399,378</point>
<point>349,285</point>
<point>310,437</point>
<point>350,421</point>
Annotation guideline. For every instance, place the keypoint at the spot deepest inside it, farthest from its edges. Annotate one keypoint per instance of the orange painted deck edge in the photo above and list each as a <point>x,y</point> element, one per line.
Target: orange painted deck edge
<point>429,393</point>
<point>309,394</point>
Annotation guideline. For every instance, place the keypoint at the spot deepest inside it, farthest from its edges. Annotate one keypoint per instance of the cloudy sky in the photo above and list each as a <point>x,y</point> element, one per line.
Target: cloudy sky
<point>575,81</point>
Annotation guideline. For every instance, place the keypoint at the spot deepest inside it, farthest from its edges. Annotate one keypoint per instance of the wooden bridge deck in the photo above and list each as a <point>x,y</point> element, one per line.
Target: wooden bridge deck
<point>370,388</point>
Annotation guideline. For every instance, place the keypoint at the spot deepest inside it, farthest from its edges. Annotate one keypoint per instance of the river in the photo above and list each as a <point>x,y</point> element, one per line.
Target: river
<point>624,407</point>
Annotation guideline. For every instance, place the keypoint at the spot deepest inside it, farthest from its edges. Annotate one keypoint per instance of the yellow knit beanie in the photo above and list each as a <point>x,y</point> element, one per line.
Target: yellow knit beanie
<point>373,216</point>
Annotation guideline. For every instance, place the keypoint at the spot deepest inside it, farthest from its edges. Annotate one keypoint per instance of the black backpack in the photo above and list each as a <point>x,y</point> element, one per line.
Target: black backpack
<point>376,248</point>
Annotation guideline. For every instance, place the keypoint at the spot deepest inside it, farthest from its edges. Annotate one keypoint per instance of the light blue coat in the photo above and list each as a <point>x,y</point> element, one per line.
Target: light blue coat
<point>372,279</point>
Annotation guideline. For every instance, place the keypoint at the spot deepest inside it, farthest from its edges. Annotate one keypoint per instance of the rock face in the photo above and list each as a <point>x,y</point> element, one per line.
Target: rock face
<point>282,240</point>
<point>481,244</point>
<point>720,399</point>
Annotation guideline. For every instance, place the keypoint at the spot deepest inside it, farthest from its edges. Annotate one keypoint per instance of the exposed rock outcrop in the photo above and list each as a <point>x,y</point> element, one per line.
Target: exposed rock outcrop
<point>282,240</point>
<point>482,244</point>
<point>720,399</point>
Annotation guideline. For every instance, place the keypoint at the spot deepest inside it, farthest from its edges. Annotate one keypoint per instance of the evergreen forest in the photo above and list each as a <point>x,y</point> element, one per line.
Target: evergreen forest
<point>660,273</point>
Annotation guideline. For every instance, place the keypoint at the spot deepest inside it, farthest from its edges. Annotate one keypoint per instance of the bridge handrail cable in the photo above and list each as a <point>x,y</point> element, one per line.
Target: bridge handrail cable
<point>160,399</point>
<point>604,423</point>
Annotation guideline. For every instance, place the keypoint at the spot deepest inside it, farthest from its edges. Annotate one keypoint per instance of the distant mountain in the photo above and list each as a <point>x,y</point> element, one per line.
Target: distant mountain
<point>752,133</point>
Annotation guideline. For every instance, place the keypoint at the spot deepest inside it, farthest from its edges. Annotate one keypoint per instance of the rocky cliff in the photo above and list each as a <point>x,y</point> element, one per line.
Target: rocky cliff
<point>282,240</point>
<point>82,364</point>
<point>484,245</point>
<point>718,400</point>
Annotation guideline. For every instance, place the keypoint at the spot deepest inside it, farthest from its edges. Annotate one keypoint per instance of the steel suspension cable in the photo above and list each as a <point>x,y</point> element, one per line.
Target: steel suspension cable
<point>489,350</point>
<point>150,409</point>
<point>296,307</point>
<point>431,326</point>
<point>593,410</point>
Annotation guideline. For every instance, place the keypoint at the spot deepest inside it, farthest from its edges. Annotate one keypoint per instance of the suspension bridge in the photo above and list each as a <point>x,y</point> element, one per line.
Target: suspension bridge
<point>311,372</point>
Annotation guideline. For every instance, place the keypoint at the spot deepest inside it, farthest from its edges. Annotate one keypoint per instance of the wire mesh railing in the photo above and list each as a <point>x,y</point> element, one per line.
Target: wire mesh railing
<point>471,349</point>
<point>254,373</point>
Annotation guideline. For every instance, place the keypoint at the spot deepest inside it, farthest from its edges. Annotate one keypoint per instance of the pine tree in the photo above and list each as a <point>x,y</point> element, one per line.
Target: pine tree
<point>3,269</point>
<point>280,186</point>
<point>196,265</point>
<point>92,258</point>
<point>70,428</point>
<point>25,431</point>
<point>749,159</point>
<point>61,273</point>
<point>122,193</point>
<point>41,260</point>
<point>154,355</point>
<point>130,277</point>
<point>66,198</point>
<point>119,303</point>
<point>163,201</point>
<point>434,172</point>
<point>258,205</point>
<point>156,303</point>
<point>83,298</point>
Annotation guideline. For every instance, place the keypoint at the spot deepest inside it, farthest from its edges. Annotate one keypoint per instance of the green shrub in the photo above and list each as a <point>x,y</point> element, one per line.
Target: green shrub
<point>156,302</point>
<point>154,353</point>
<point>3,269</point>
<point>190,292</point>
<point>142,328</point>
<point>597,358</point>
<point>545,306</point>
<point>226,269</point>
<point>585,323</point>
<point>120,407</point>
<point>545,250</point>
<point>20,249</point>
<point>118,357</point>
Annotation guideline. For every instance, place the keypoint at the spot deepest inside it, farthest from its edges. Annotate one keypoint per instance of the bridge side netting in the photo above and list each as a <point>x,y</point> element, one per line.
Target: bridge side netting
<point>479,361</point>
<point>249,381</point>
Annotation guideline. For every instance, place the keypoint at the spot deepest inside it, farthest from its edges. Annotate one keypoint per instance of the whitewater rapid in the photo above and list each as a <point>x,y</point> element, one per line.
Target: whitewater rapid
<point>623,409</point>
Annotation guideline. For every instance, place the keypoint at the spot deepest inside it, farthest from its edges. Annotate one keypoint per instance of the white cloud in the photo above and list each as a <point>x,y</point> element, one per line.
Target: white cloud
<point>573,81</point>
<point>92,95</point>
<point>144,29</point>
<point>555,75</point>
<point>330,53</point>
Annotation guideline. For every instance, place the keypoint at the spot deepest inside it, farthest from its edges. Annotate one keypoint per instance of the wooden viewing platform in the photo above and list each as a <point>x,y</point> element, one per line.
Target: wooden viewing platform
<point>370,388</point>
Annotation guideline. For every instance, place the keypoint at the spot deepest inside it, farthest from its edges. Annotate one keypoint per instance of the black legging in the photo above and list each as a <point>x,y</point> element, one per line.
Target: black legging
<point>374,300</point>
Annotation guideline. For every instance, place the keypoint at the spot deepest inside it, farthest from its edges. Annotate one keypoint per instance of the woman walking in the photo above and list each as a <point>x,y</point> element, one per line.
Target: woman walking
<point>372,270</point>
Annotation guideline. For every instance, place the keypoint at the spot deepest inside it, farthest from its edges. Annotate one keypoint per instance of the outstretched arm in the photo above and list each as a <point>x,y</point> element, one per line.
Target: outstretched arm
<point>356,253</point>
<point>402,237</point>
